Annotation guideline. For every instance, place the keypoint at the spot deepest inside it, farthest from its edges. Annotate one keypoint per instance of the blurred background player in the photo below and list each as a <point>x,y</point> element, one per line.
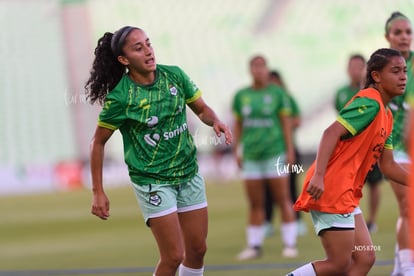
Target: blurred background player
<point>410,144</point>
<point>356,72</point>
<point>276,78</point>
<point>398,33</point>
<point>263,144</point>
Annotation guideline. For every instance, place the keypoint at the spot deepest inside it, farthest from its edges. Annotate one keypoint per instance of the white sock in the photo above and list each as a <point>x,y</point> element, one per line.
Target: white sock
<point>186,271</point>
<point>255,236</point>
<point>289,233</point>
<point>397,264</point>
<point>306,270</point>
<point>406,261</point>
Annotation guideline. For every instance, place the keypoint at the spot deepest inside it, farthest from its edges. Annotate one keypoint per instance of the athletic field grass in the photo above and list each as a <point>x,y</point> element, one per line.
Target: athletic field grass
<point>55,234</point>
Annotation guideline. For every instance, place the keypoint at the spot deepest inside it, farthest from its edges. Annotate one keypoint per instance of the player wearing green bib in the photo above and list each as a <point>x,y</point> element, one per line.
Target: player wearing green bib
<point>147,103</point>
<point>398,32</point>
<point>263,135</point>
<point>295,118</point>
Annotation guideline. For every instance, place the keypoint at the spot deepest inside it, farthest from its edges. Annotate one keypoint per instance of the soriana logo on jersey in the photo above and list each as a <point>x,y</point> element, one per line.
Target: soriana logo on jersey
<point>152,139</point>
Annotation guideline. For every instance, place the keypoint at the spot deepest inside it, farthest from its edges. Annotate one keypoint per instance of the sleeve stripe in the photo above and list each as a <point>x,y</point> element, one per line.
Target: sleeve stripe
<point>346,125</point>
<point>388,146</point>
<point>194,98</point>
<point>285,112</point>
<point>106,125</point>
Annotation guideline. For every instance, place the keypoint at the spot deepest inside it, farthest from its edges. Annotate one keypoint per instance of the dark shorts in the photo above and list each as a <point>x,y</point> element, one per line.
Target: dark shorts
<point>374,177</point>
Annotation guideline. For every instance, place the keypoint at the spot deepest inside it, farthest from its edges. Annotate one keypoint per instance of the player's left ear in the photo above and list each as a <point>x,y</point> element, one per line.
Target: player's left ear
<point>376,76</point>
<point>123,60</point>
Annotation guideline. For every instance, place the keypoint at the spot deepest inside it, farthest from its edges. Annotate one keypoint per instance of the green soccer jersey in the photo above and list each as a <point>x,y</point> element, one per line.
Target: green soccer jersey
<point>259,111</point>
<point>399,106</point>
<point>357,116</point>
<point>295,111</point>
<point>158,147</point>
<point>343,95</point>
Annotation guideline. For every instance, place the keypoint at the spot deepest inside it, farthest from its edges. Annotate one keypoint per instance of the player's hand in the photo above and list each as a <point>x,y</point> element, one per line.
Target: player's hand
<point>100,205</point>
<point>316,187</point>
<point>219,128</point>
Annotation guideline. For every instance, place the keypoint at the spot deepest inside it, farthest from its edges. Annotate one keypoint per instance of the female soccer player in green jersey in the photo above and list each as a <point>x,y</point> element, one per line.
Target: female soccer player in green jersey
<point>398,32</point>
<point>147,103</point>
<point>265,152</point>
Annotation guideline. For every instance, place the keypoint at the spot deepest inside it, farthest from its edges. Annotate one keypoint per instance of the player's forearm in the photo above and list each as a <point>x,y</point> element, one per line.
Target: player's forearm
<point>96,165</point>
<point>208,116</point>
<point>287,133</point>
<point>391,169</point>
<point>409,136</point>
<point>325,150</point>
<point>236,135</point>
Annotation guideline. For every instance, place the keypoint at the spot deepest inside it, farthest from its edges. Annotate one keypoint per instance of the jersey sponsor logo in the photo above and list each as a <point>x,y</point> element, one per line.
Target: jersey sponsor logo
<point>246,110</point>
<point>152,121</point>
<point>179,110</point>
<point>267,99</point>
<point>258,123</point>
<point>152,140</point>
<point>173,90</point>
<point>154,199</point>
<point>171,134</point>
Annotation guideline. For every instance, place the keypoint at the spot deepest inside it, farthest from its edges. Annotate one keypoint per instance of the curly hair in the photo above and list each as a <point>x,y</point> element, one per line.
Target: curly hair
<point>378,60</point>
<point>106,71</point>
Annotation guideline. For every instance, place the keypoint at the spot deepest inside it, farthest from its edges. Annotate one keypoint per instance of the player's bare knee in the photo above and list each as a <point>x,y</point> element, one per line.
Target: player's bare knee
<point>173,260</point>
<point>340,266</point>
<point>367,259</point>
<point>197,252</point>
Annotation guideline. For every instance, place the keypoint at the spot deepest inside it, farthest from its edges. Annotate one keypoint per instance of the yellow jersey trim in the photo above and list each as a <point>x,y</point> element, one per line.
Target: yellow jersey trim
<point>196,96</point>
<point>106,125</point>
<point>346,125</point>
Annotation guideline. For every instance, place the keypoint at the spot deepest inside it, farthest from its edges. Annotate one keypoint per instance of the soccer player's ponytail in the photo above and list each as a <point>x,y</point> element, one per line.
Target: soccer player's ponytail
<point>106,70</point>
<point>378,60</point>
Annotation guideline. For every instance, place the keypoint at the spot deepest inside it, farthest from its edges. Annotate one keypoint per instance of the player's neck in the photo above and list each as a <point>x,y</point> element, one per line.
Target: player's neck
<point>257,85</point>
<point>144,79</point>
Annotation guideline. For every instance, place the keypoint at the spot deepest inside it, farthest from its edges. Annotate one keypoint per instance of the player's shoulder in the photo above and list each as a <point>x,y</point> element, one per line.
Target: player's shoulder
<point>169,69</point>
<point>243,91</point>
<point>363,104</point>
<point>120,91</point>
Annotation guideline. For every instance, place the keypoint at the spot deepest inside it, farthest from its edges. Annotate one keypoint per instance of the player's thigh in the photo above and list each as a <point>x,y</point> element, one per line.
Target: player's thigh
<point>280,188</point>
<point>167,232</point>
<point>401,192</point>
<point>338,245</point>
<point>255,189</point>
<point>363,248</point>
<point>194,227</point>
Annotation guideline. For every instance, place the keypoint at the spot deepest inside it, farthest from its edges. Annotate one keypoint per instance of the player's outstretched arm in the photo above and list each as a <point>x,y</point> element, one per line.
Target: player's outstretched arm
<point>207,116</point>
<point>100,202</point>
<point>392,169</point>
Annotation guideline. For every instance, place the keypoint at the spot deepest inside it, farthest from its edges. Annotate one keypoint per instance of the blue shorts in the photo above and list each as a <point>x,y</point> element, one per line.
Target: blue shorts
<point>160,200</point>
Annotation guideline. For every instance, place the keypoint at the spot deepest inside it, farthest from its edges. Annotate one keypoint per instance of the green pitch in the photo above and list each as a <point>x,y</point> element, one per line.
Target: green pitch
<point>55,234</point>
